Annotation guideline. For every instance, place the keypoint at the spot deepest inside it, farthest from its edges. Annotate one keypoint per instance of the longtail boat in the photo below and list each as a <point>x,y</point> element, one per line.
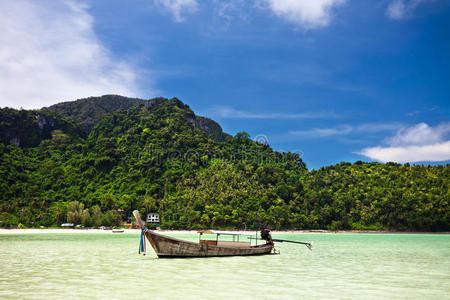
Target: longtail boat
<point>169,247</point>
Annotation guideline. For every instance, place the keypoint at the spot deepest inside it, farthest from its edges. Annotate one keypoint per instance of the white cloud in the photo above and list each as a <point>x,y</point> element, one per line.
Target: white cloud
<point>415,144</point>
<point>231,9</point>
<point>305,13</point>
<point>401,9</point>
<point>436,152</point>
<point>420,134</point>
<point>344,130</point>
<point>178,7</point>
<point>323,132</point>
<point>376,127</point>
<point>49,53</point>
<point>231,113</point>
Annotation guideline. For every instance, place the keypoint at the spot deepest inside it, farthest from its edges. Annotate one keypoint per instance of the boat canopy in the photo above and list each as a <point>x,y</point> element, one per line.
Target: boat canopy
<point>218,232</point>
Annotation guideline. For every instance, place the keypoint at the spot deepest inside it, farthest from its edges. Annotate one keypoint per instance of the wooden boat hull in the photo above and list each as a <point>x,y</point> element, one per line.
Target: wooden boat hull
<point>167,247</point>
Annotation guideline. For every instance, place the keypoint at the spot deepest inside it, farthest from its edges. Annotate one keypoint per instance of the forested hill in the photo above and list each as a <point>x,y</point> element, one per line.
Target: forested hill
<point>93,161</point>
<point>89,111</point>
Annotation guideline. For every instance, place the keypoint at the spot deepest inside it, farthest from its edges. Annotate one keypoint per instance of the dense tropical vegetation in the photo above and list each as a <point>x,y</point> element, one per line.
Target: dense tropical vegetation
<point>93,161</point>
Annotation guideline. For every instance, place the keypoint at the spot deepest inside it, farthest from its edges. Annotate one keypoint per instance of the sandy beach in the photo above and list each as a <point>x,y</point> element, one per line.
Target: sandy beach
<point>78,231</point>
<point>102,231</point>
<point>133,231</point>
<point>137,231</point>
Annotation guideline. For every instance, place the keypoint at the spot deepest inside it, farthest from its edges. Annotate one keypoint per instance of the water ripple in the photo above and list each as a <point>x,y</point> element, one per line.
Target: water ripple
<point>341,266</point>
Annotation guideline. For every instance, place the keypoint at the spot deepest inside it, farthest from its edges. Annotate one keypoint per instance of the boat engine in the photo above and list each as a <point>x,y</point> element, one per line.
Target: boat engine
<point>265,235</point>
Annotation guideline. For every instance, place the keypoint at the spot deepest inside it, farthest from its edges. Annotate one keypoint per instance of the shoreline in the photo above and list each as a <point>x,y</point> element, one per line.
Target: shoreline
<point>137,231</point>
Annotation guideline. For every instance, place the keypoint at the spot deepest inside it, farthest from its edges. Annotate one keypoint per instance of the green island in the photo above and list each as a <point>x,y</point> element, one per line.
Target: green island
<point>93,161</point>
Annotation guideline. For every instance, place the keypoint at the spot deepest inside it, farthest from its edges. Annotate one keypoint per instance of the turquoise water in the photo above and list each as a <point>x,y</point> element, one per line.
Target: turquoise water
<point>341,266</point>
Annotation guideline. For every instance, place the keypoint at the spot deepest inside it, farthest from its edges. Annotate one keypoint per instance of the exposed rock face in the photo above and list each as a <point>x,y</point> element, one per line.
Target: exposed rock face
<point>43,121</point>
<point>212,128</point>
<point>15,141</point>
<point>28,128</point>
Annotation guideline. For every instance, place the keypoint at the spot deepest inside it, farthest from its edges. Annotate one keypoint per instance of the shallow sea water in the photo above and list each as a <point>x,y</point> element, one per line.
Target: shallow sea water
<point>341,266</point>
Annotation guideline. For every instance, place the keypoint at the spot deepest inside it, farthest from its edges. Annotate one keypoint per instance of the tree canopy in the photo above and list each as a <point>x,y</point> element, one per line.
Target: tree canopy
<point>158,156</point>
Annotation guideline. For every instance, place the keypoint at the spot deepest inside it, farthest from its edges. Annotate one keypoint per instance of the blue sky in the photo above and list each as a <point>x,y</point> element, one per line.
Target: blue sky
<point>335,80</point>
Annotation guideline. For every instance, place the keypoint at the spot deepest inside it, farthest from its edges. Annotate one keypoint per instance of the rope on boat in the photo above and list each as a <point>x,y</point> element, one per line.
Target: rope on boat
<point>142,246</point>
